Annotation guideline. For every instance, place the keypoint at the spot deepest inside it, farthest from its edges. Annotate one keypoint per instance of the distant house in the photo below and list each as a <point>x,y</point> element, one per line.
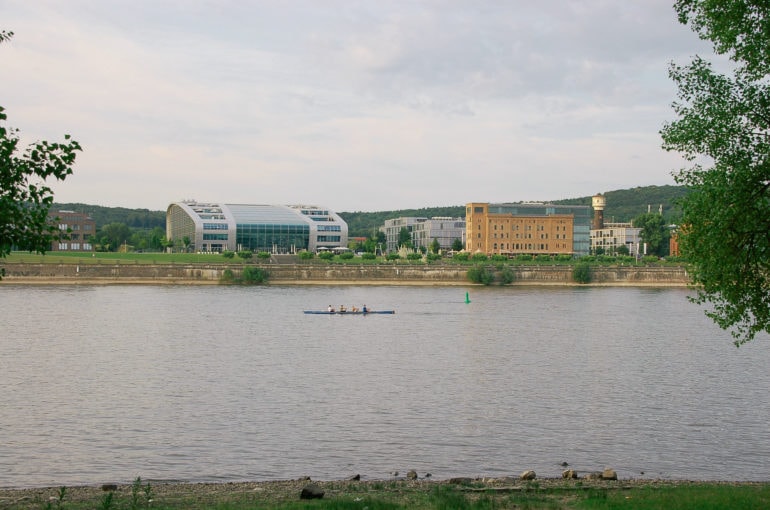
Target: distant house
<point>76,230</point>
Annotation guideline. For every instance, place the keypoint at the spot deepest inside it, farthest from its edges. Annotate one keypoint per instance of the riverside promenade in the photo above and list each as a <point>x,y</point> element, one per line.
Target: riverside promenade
<point>332,274</point>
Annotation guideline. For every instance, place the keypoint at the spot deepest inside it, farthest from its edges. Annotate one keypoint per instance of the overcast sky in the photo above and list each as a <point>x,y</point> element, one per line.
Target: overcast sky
<point>353,105</point>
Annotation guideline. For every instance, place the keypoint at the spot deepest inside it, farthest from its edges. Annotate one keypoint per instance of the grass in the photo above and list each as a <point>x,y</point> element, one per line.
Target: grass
<point>398,495</point>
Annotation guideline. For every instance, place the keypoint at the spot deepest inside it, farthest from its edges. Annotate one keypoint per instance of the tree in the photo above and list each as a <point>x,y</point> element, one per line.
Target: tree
<point>725,119</point>
<point>435,246</point>
<point>654,232</point>
<point>404,237</point>
<point>112,236</point>
<point>25,199</point>
<point>457,245</point>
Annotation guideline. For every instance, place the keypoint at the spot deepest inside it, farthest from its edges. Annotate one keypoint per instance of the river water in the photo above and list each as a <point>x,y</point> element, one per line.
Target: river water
<point>107,383</point>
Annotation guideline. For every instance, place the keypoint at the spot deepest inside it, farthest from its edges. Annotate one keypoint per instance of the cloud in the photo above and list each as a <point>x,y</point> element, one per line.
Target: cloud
<point>352,105</point>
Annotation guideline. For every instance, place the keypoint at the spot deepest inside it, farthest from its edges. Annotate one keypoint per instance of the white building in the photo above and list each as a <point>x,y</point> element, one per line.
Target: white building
<point>392,230</point>
<point>445,230</point>
<point>614,235</point>
<point>216,227</point>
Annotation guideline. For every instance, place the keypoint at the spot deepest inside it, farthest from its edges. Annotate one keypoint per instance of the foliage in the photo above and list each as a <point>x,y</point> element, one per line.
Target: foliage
<point>581,272</point>
<point>305,255</point>
<point>432,257</point>
<point>368,256</point>
<point>404,237</point>
<point>347,255</point>
<point>25,198</point>
<point>625,204</point>
<point>414,256</point>
<point>480,274</point>
<point>654,233</point>
<point>228,276</point>
<point>326,255</point>
<point>479,257</point>
<point>542,257</point>
<point>462,256</point>
<point>228,254</point>
<point>393,256</point>
<point>524,257</point>
<point>252,274</point>
<point>111,237</point>
<point>435,246</point>
<point>725,119</point>
<point>457,245</point>
<point>507,276</point>
<point>142,219</point>
<point>245,254</point>
<point>263,255</point>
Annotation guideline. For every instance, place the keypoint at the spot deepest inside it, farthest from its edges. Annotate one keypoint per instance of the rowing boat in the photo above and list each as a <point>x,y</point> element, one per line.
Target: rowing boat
<point>357,312</point>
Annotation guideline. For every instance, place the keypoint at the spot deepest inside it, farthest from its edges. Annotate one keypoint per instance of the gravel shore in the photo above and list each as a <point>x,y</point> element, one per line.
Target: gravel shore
<point>202,495</point>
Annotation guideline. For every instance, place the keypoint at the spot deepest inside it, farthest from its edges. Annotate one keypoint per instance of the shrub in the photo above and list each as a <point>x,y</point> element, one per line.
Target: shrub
<point>347,255</point>
<point>649,259</point>
<point>253,274</point>
<point>479,257</point>
<point>245,254</point>
<point>368,256</point>
<point>524,257</point>
<point>563,257</point>
<point>414,256</point>
<point>461,257</point>
<point>305,255</point>
<point>227,276</point>
<point>581,273</point>
<point>228,254</point>
<point>393,256</point>
<point>433,257</point>
<point>543,258</point>
<point>263,255</point>
<point>480,274</point>
<point>499,258</point>
<point>507,276</point>
<point>326,255</point>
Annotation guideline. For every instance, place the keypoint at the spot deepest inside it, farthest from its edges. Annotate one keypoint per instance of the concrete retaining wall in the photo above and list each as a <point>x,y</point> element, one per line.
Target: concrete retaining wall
<point>399,274</point>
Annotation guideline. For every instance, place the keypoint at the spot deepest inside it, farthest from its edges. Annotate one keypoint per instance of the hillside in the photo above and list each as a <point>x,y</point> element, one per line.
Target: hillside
<point>622,205</point>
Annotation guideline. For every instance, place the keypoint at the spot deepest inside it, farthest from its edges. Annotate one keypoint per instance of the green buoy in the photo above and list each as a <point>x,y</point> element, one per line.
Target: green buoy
<point>467,299</point>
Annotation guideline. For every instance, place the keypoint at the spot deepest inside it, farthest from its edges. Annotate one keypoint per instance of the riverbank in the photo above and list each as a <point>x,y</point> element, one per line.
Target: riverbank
<point>341,274</point>
<point>540,493</point>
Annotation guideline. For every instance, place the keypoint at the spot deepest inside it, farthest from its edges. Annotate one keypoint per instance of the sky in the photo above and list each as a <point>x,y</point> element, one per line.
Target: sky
<point>352,105</point>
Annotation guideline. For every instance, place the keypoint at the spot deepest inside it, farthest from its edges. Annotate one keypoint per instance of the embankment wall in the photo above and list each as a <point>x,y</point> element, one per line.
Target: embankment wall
<point>313,273</point>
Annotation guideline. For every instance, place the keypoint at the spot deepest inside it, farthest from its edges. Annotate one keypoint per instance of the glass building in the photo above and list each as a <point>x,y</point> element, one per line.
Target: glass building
<point>214,227</point>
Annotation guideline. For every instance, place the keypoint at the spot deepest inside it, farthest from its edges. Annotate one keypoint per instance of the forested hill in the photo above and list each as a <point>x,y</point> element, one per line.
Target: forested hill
<point>134,218</point>
<point>622,205</point>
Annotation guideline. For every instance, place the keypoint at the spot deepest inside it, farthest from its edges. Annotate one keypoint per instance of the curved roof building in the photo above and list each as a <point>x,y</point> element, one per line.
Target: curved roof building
<point>216,227</point>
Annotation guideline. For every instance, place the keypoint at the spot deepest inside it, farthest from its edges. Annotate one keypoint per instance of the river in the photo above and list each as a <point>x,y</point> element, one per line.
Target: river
<point>214,383</point>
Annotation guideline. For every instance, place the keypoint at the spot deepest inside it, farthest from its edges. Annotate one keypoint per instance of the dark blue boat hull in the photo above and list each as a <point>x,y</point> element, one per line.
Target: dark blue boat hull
<point>368,312</point>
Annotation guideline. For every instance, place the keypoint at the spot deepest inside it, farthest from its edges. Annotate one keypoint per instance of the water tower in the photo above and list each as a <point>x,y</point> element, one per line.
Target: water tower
<point>598,202</point>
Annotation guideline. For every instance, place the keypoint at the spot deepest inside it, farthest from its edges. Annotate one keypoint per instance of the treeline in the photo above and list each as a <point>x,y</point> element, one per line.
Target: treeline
<point>133,218</point>
<point>622,206</point>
